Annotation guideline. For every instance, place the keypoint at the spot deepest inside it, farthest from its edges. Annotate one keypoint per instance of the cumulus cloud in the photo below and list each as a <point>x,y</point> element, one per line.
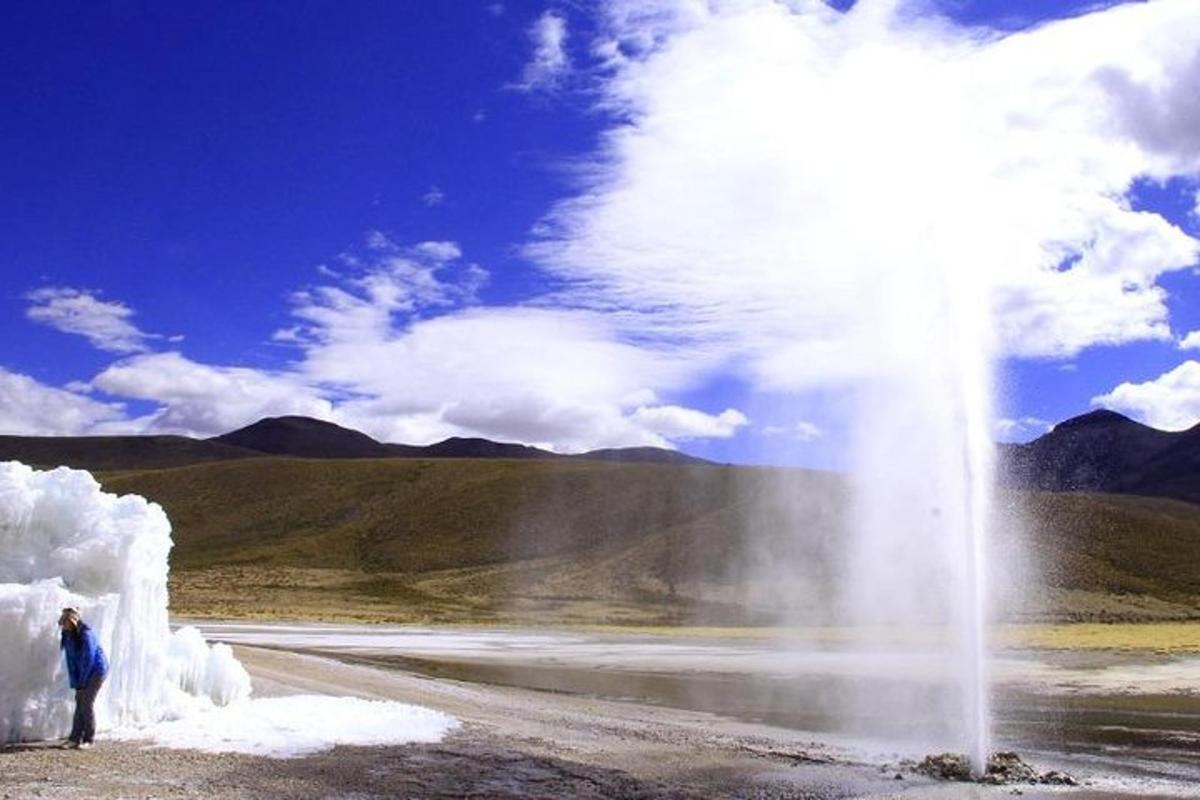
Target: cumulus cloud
<point>106,324</point>
<point>549,63</point>
<point>1190,341</point>
<point>32,408</point>
<point>1107,296</point>
<point>792,186</point>
<point>1158,104</point>
<point>679,423</point>
<point>417,360</point>
<point>395,344</point>
<point>1170,402</point>
<point>556,378</point>
<point>204,400</point>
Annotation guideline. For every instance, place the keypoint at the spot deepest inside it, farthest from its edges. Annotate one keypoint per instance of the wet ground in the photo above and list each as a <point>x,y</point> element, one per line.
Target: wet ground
<point>566,738</point>
<point>1123,722</point>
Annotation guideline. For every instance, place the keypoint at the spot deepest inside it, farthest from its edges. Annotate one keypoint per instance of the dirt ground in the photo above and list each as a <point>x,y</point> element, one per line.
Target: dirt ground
<point>513,743</point>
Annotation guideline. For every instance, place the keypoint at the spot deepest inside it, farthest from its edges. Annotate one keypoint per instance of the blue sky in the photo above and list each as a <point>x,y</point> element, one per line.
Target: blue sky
<point>400,216</point>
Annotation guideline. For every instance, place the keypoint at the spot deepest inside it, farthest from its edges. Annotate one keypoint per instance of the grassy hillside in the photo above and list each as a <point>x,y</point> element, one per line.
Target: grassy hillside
<point>1106,556</point>
<point>508,540</point>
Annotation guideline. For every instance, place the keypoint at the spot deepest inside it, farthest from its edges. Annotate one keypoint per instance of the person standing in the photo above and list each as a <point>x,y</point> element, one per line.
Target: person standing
<point>86,668</point>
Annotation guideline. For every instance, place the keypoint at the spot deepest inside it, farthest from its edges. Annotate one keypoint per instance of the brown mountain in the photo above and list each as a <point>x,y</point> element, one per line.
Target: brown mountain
<point>462,447</point>
<point>305,437</point>
<point>1103,451</point>
<point>105,453</point>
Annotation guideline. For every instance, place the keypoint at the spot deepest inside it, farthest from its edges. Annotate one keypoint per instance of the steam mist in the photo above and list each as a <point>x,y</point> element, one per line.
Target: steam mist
<point>876,205</point>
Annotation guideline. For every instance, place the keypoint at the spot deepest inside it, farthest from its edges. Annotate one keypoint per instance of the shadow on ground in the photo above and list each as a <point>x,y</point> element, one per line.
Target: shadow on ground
<point>462,769</point>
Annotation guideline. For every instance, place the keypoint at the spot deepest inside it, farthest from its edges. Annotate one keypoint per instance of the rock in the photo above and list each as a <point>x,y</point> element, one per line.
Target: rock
<point>946,767</point>
<point>1056,778</point>
<point>1007,767</point>
<point>1003,768</point>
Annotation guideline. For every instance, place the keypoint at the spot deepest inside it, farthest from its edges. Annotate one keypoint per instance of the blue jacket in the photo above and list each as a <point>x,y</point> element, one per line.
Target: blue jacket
<point>85,657</point>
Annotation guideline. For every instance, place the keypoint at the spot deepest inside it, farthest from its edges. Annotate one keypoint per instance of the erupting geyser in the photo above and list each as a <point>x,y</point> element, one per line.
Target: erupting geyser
<point>64,542</point>
<point>924,475</point>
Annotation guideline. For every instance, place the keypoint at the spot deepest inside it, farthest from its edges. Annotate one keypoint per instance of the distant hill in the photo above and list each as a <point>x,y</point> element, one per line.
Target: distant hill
<point>102,453</point>
<point>305,437</point>
<point>459,447</point>
<point>290,436</point>
<point>1103,451</point>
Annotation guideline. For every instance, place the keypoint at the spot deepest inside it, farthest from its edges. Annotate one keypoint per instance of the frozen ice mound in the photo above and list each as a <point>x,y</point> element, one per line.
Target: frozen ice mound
<point>64,542</point>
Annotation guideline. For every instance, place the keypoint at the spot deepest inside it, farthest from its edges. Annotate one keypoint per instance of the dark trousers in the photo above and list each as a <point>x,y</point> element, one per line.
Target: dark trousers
<point>84,727</point>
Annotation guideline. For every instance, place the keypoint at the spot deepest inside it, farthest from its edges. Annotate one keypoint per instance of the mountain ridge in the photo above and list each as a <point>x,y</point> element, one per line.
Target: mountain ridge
<point>1100,451</point>
<point>288,436</point>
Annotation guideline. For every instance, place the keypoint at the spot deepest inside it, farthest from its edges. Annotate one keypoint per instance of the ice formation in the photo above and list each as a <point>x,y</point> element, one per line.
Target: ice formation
<point>64,542</point>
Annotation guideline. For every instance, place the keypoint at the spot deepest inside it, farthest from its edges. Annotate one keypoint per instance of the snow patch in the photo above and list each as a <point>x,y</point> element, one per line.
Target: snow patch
<point>297,725</point>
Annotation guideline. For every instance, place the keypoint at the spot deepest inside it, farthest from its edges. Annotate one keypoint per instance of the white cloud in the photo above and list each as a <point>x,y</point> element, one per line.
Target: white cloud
<point>1170,402</point>
<point>1156,102</point>
<point>439,252</point>
<point>549,63</point>
<point>29,407</point>
<point>679,423</point>
<point>106,324</point>
<point>204,400</point>
<point>1190,341</point>
<point>789,189</point>
<point>1022,429</point>
<point>540,376</point>
<point>868,166</point>
<point>802,431</point>
<point>433,197</point>
<point>383,281</point>
<point>1107,297</point>
<point>401,336</point>
<point>394,345</point>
